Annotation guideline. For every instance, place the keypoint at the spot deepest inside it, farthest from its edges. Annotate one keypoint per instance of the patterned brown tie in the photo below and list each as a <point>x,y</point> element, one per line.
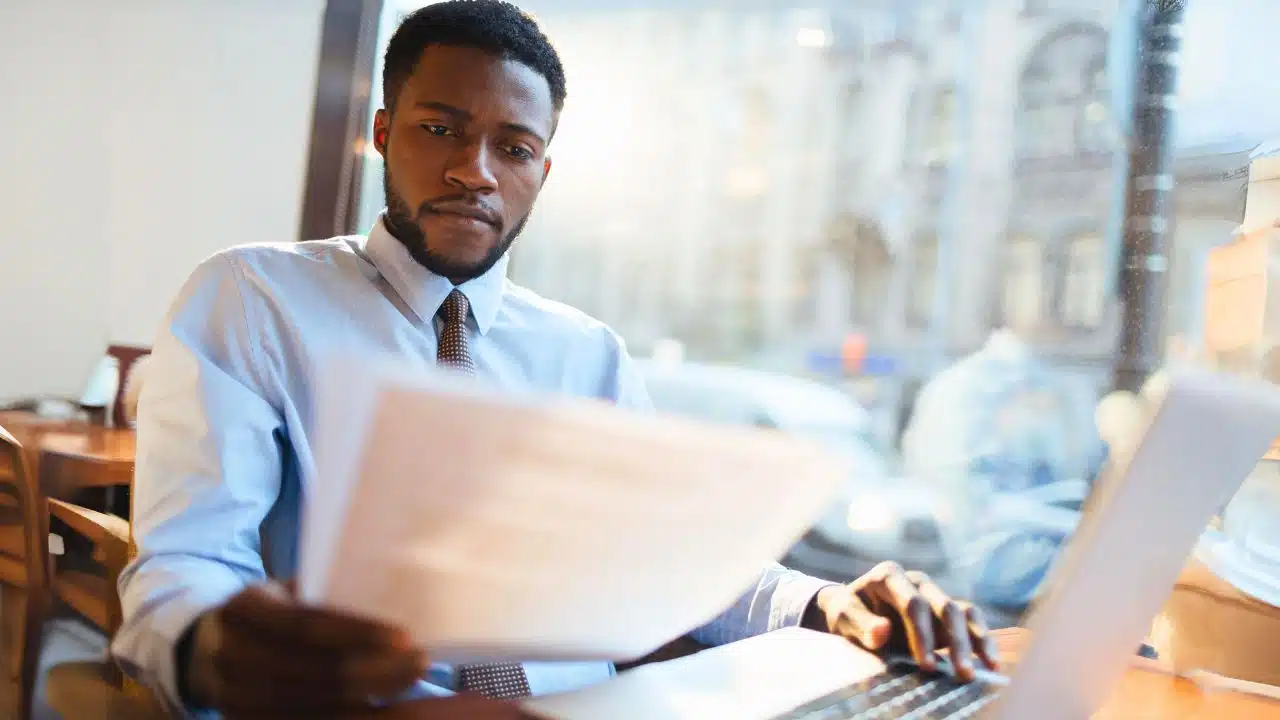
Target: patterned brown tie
<point>453,351</point>
<point>500,680</point>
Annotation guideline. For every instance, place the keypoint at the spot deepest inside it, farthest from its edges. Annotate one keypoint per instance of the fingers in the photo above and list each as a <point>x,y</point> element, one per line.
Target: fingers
<point>980,637</point>
<point>269,610</point>
<point>951,622</point>
<point>928,619</point>
<point>965,628</point>
<point>916,614</point>
<point>270,655</point>
<point>274,675</point>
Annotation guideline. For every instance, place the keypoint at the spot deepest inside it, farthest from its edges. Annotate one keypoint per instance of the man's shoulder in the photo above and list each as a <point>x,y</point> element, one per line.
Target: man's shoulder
<point>283,254</point>
<point>273,272</point>
<point>530,309</point>
<point>280,264</point>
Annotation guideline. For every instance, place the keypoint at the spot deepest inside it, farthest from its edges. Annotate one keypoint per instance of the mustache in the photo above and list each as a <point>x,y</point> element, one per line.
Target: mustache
<point>464,205</point>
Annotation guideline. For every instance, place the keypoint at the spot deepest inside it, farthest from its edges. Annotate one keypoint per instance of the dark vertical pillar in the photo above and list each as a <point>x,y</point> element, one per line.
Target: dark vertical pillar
<point>1148,217</point>
<point>348,45</point>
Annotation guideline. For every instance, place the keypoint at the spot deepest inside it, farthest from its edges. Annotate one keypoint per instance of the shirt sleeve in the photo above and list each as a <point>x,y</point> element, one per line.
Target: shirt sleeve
<point>779,597</point>
<point>777,600</point>
<point>208,470</point>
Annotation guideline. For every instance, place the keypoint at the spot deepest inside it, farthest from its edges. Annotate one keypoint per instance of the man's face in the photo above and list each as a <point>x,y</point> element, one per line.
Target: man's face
<point>465,155</point>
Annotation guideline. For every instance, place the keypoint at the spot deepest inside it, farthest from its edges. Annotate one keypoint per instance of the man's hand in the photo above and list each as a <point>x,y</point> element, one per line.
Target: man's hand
<point>263,654</point>
<point>890,609</point>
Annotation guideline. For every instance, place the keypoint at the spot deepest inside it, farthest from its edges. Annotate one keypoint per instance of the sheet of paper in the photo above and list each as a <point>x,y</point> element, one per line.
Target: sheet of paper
<point>494,527</point>
<point>756,679</point>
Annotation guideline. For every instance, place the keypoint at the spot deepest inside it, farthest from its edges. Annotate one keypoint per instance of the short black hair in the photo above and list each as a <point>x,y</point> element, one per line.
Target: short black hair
<point>493,26</point>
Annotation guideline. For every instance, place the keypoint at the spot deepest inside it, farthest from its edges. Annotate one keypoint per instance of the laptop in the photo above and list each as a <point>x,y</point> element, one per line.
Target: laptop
<point>1204,435</point>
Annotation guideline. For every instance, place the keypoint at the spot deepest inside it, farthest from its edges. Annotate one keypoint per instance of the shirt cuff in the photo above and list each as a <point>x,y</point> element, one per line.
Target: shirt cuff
<point>146,647</point>
<point>792,598</point>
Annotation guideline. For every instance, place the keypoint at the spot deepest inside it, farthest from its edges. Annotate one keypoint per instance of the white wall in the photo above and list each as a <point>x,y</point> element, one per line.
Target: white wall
<point>136,138</point>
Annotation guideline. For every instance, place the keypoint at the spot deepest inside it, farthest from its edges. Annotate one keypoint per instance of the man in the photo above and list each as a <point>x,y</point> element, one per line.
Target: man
<point>473,94</point>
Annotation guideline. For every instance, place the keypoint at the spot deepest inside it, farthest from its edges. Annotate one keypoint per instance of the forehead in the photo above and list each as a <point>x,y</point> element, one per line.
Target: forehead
<point>483,84</point>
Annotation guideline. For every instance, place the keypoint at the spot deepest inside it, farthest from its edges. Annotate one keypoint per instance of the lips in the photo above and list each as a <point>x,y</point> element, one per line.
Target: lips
<point>472,212</point>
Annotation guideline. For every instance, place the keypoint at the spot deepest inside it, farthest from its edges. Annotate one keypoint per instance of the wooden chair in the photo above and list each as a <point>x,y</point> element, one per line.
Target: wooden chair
<point>86,690</point>
<point>98,689</point>
<point>32,583</point>
<point>114,414</point>
<point>91,592</point>
<point>127,357</point>
<point>24,567</point>
<point>86,582</point>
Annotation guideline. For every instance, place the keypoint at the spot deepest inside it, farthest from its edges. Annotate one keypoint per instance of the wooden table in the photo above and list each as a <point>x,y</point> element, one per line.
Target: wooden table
<point>87,456</point>
<point>1148,692</point>
<point>94,457</point>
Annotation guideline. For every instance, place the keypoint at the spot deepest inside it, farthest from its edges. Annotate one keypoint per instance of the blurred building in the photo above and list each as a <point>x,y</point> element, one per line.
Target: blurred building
<point>1006,173</point>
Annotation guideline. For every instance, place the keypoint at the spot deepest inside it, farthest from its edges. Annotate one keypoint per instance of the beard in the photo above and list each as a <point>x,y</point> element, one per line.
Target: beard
<point>402,222</point>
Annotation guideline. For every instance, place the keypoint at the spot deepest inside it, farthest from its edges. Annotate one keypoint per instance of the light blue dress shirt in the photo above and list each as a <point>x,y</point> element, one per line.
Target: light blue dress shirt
<point>225,423</point>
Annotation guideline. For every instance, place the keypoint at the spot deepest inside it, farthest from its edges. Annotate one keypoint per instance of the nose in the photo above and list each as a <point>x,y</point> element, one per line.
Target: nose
<point>470,168</point>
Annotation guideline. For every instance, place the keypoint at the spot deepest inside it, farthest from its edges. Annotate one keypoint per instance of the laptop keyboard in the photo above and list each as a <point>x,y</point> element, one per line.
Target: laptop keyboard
<point>900,693</point>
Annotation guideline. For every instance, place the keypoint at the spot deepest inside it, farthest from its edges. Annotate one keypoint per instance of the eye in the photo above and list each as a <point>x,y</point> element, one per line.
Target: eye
<point>519,153</point>
<point>437,130</point>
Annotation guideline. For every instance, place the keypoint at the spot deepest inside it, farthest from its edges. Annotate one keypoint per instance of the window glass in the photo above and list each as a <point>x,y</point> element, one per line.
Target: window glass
<point>906,213</point>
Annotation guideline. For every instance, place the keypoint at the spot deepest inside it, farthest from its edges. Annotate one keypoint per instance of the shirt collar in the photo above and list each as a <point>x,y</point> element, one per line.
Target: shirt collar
<point>425,291</point>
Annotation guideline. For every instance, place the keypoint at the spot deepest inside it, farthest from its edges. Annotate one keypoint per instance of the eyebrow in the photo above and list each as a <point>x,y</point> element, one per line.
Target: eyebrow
<point>460,114</point>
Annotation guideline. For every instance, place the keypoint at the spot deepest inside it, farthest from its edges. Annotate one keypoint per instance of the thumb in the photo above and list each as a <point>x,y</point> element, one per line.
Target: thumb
<point>870,630</point>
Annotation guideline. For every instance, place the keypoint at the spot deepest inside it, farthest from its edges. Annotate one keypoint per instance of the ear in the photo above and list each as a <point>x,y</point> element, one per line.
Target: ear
<point>381,129</point>
<point>546,169</point>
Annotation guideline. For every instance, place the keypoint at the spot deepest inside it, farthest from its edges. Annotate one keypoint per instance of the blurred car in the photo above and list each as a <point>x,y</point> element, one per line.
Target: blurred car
<point>877,515</point>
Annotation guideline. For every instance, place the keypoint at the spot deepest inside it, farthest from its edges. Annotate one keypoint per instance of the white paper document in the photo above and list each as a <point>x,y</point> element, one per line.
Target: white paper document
<point>501,528</point>
<point>756,679</point>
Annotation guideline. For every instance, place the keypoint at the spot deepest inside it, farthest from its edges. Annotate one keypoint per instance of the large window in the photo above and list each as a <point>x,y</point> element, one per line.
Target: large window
<point>1084,285</point>
<point>737,186</point>
<point>1024,283</point>
<point>1064,105</point>
<point>924,279</point>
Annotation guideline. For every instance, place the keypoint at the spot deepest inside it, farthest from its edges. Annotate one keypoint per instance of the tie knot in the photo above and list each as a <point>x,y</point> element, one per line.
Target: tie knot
<point>455,308</point>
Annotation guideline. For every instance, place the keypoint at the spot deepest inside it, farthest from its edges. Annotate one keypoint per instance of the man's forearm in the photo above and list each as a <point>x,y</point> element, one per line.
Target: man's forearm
<point>155,640</point>
<point>781,598</point>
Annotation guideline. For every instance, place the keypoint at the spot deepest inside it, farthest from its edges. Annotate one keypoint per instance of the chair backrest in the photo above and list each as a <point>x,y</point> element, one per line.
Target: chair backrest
<point>17,486</point>
<point>133,390</point>
<point>126,356</point>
